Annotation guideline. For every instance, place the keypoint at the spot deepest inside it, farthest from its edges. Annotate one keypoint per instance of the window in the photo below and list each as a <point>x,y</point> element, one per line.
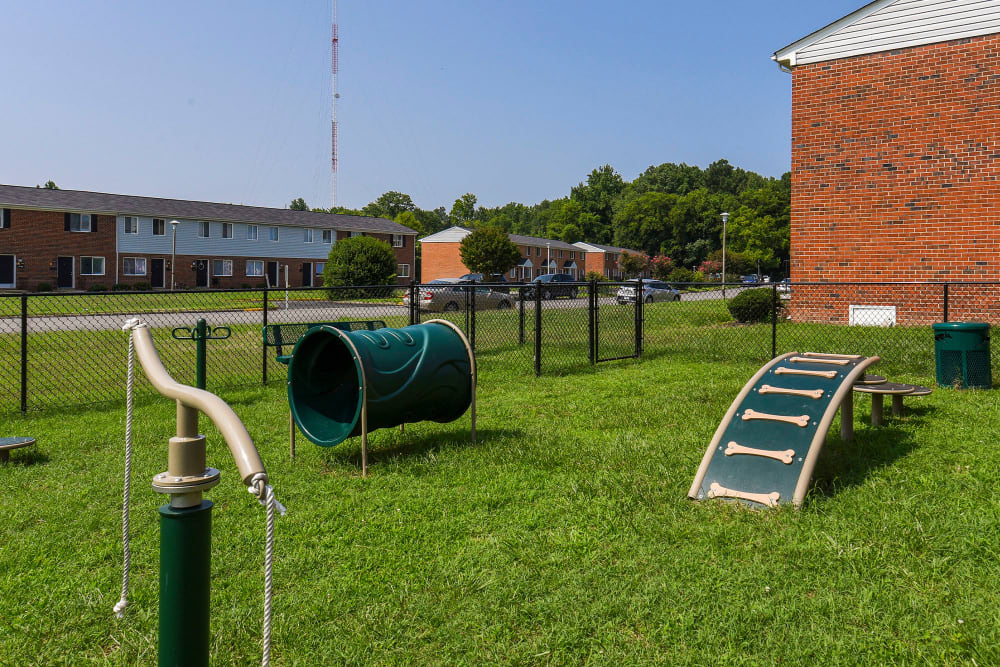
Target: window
<point>203,230</point>
<point>572,254</point>
<point>251,232</point>
<point>134,266</point>
<point>402,270</point>
<point>272,233</point>
<point>5,218</point>
<point>255,267</point>
<point>353,234</point>
<point>327,236</point>
<point>79,222</point>
<point>91,266</point>
<point>159,227</point>
<point>222,267</point>
<point>131,224</point>
<point>538,251</point>
<point>397,240</point>
<point>307,235</point>
<point>227,230</point>
<point>319,266</point>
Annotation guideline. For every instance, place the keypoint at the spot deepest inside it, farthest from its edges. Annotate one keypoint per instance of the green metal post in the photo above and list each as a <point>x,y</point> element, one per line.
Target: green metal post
<point>200,335</point>
<point>185,566</point>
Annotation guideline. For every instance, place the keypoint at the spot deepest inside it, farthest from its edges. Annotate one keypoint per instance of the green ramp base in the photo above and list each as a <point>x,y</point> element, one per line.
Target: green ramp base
<point>765,449</point>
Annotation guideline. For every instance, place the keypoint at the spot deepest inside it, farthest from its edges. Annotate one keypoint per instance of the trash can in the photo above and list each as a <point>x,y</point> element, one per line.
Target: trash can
<point>962,355</point>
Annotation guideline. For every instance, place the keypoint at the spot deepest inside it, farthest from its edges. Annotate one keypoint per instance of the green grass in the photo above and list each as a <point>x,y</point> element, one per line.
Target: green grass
<point>563,536</point>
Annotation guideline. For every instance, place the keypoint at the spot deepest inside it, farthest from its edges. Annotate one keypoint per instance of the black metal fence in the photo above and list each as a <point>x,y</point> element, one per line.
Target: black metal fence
<point>69,348</point>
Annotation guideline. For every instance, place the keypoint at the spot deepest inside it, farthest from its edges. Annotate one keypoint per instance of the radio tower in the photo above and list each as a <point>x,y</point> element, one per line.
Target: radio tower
<point>333,129</point>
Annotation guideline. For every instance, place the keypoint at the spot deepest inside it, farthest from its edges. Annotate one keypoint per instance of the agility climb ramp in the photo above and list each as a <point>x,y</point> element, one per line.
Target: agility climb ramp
<point>765,449</point>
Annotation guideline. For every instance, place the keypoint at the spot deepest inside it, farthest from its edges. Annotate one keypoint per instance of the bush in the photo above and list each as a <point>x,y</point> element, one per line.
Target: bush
<point>44,287</point>
<point>361,260</point>
<point>142,287</point>
<point>753,305</point>
<point>97,288</point>
<point>681,274</point>
<point>595,276</point>
<point>120,287</point>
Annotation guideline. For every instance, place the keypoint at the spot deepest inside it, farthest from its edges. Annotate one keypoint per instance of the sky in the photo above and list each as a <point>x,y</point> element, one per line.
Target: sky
<point>517,100</point>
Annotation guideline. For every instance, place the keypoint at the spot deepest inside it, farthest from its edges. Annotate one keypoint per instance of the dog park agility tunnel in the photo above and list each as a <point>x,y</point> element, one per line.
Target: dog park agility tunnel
<point>347,383</point>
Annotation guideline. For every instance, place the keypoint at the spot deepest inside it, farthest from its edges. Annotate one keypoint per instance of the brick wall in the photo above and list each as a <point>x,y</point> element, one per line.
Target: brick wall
<point>895,166</point>
<point>440,260</point>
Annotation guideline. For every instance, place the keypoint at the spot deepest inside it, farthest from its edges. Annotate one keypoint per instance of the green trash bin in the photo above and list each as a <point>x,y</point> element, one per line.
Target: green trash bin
<point>962,355</point>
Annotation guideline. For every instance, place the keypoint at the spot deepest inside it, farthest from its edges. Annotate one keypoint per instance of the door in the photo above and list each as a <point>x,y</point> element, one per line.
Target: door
<point>272,274</point>
<point>64,272</point>
<point>201,280</point>
<point>7,271</point>
<point>156,273</point>
<point>307,274</point>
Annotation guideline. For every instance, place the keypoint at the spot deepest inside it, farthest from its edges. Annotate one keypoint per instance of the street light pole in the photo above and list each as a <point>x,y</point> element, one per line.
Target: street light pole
<point>548,258</point>
<point>725,218</point>
<point>173,253</point>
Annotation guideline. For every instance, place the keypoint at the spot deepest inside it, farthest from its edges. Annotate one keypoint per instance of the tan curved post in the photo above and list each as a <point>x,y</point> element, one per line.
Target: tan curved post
<point>472,367</point>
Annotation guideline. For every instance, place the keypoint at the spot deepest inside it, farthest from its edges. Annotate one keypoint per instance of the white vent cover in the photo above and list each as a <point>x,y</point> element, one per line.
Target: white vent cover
<point>872,316</point>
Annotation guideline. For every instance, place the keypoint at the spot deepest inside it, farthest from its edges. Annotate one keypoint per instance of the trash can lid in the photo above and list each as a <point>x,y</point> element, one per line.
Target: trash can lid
<point>961,326</point>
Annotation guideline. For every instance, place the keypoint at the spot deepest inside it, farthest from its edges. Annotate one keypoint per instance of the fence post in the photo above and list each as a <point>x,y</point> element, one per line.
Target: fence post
<point>413,302</point>
<point>538,330</point>
<point>263,347</point>
<point>591,300</point>
<point>638,316</point>
<point>24,353</point>
<point>945,319</point>
<point>774,320</point>
<point>472,309</point>
<point>520,333</point>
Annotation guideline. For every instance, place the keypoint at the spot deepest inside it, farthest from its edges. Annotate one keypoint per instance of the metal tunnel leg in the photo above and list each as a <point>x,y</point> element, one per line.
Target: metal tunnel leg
<point>291,434</point>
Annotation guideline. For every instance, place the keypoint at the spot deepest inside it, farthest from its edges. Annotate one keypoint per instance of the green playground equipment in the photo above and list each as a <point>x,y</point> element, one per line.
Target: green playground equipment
<point>766,447</point>
<point>200,334</point>
<point>348,383</point>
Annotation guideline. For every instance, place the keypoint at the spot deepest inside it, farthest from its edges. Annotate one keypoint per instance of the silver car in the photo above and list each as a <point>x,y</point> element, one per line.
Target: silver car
<point>445,296</point>
<point>652,290</point>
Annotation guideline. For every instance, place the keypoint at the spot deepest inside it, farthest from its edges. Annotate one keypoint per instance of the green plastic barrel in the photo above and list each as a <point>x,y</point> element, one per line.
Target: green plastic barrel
<point>962,355</point>
<point>418,373</point>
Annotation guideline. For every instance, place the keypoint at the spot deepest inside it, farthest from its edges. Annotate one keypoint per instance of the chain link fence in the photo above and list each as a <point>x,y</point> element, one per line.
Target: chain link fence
<point>60,350</point>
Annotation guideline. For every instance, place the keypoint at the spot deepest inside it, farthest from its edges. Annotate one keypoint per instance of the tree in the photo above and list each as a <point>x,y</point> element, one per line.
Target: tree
<point>298,204</point>
<point>359,260</point>
<point>49,185</point>
<point>464,209</point>
<point>644,222</point>
<point>389,205</point>
<point>604,187</point>
<point>409,219</point>
<point>489,251</point>
<point>661,266</point>
<point>632,264</point>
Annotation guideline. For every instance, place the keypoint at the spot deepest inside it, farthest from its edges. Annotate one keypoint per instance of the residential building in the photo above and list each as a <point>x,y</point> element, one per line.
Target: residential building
<point>440,256</point>
<point>603,259</point>
<point>895,156</point>
<point>70,239</point>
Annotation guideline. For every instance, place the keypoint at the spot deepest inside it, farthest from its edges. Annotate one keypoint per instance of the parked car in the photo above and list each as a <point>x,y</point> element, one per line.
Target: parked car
<point>493,279</point>
<point>749,280</point>
<point>784,287</point>
<point>449,295</point>
<point>652,290</point>
<point>551,285</point>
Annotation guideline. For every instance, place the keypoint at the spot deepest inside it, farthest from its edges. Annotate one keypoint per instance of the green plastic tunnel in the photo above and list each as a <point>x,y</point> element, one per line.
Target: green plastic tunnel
<point>417,373</point>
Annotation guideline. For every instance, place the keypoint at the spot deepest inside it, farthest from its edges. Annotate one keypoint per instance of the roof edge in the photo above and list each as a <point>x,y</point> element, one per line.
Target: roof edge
<point>786,55</point>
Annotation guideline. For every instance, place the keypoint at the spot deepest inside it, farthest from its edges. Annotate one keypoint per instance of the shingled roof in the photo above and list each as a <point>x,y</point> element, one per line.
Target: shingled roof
<point>15,196</point>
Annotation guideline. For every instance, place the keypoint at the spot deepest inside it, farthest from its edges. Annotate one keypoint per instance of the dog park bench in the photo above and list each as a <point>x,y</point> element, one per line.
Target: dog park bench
<point>280,335</point>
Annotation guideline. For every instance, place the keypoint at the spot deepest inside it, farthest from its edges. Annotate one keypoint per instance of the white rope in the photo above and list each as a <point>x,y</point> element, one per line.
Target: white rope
<point>129,398</point>
<point>265,494</point>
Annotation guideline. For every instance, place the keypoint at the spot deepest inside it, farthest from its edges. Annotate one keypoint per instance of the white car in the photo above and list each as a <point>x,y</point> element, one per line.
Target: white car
<point>652,290</point>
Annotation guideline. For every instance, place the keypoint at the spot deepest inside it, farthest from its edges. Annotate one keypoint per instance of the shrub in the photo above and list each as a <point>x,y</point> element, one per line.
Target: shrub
<point>142,287</point>
<point>97,288</point>
<point>120,287</point>
<point>752,305</point>
<point>662,267</point>
<point>595,275</point>
<point>681,274</point>
<point>244,285</point>
<point>361,260</point>
<point>44,287</point>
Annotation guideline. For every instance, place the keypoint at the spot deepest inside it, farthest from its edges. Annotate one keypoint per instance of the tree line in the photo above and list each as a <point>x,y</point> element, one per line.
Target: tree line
<point>671,212</point>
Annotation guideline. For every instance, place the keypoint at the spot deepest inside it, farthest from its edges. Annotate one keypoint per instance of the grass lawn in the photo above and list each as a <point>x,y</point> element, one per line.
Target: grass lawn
<point>563,536</point>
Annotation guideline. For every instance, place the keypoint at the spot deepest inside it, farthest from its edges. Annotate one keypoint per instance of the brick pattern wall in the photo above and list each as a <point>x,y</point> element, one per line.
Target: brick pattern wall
<point>442,260</point>
<point>895,163</point>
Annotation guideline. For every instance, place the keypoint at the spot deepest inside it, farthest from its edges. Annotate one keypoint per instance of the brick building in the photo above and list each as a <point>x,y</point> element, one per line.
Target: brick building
<point>440,258</point>
<point>69,239</point>
<point>895,155</point>
<point>603,259</point>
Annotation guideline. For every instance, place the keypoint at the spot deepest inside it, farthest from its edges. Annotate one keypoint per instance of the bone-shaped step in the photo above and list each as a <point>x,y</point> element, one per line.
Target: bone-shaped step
<point>801,420</point>
<point>819,360</point>
<point>831,355</point>
<point>767,499</point>
<point>784,456</point>
<point>796,371</point>
<point>808,393</point>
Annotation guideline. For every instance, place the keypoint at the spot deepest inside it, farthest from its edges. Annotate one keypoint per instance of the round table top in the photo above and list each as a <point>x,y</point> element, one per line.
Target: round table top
<point>885,388</point>
<point>919,390</point>
<point>870,379</point>
<point>14,443</point>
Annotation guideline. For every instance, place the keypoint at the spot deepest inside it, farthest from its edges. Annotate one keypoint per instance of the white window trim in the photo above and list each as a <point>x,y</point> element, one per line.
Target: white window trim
<point>354,234</point>
<point>394,238</point>
<point>327,236</point>
<point>204,227</point>
<point>135,260</point>
<point>80,217</point>
<point>308,235</point>
<point>273,228</point>
<point>400,273</point>
<point>135,221</point>
<point>255,262</point>
<point>92,258</point>
<point>251,232</point>
<point>163,226</point>
<point>318,268</point>
<point>229,226</point>
<point>225,263</point>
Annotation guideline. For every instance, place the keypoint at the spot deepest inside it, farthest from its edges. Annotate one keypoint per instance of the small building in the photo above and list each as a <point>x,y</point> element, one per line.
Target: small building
<point>895,155</point>
<point>440,256</point>
<point>603,259</point>
<point>69,239</point>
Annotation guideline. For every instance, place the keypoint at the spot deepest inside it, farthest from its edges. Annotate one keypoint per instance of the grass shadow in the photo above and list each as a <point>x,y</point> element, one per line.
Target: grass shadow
<point>28,456</point>
<point>414,447</point>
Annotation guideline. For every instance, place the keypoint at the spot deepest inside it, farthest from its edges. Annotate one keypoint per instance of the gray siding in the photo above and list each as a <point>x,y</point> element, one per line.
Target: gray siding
<point>290,241</point>
<point>902,24</point>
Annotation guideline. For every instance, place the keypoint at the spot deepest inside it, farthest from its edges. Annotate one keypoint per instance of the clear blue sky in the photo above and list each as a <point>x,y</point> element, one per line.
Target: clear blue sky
<point>513,101</point>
